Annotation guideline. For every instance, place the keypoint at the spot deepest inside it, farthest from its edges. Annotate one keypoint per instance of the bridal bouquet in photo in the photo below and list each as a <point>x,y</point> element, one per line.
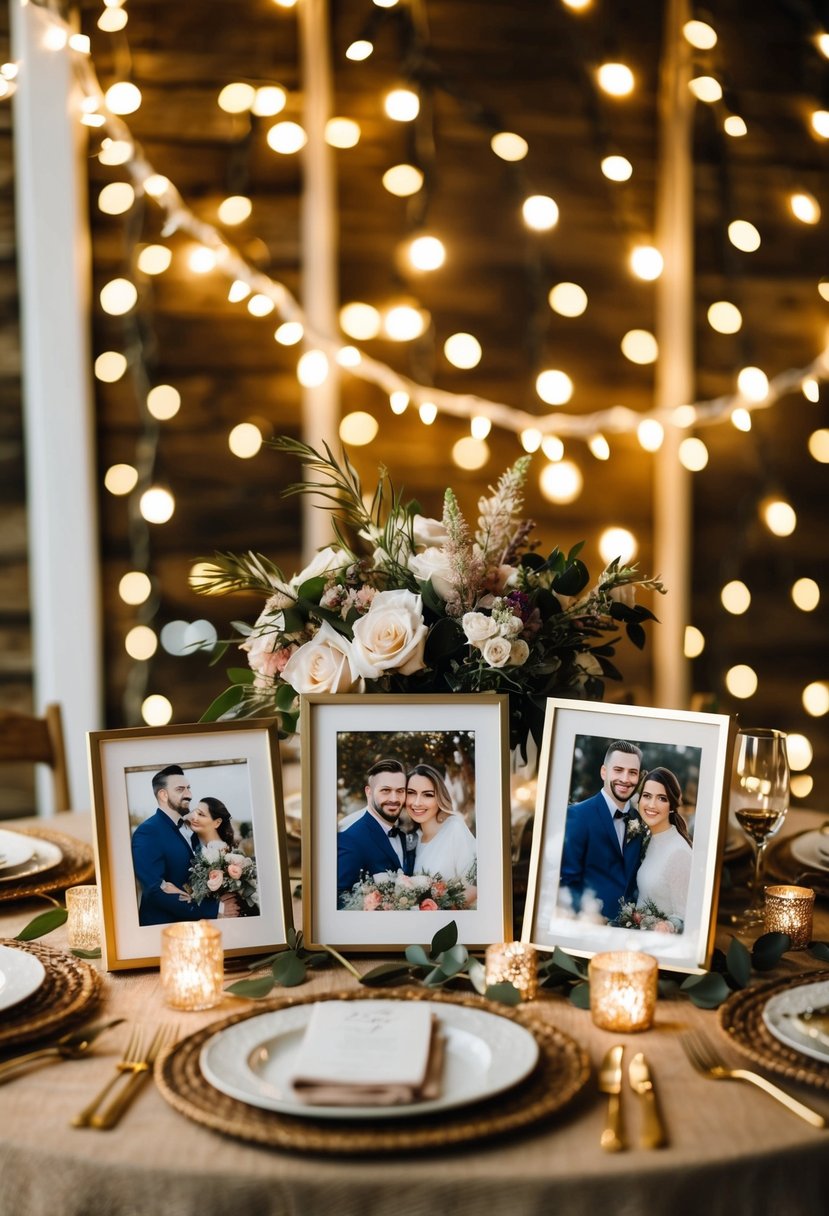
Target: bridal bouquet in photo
<point>647,917</point>
<point>416,893</point>
<point>402,603</point>
<point>218,870</point>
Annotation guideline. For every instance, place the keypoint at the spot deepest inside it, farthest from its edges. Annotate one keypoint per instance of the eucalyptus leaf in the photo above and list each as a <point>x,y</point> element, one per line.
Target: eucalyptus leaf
<point>225,701</point>
<point>418,956</point>
<point>43,923</point>
<point>769,949</point>
<point>477,974</point>
<point>505,993</point>
<point>252,989</point>
<point>444,939</point>
<point>293,939</point>
<point>285,697</point>
<point>580,996</point>
<point>96,953</point>
<point>288,970</point>
<point>386,973</point>
<point>567,963</point>
<point>706,991</point>
<point>454,960</point>
<point>240,675</point>
<point>738,962</point>
<point>435,978</point>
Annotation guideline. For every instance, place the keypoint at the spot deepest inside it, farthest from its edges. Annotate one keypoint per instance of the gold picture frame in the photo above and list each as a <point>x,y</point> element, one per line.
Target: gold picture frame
<point>461,738</point>
<point>234,762</point>
<point>575,879</point>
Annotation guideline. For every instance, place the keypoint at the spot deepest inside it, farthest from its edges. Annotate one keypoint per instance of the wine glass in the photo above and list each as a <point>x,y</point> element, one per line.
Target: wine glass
<point>759,801</point>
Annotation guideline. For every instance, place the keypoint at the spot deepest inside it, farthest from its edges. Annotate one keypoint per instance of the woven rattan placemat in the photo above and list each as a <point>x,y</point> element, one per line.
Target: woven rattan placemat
<point>68,993</point>
<point>742,1018</point>
<point>77,866</point>
<point>562,1070</point>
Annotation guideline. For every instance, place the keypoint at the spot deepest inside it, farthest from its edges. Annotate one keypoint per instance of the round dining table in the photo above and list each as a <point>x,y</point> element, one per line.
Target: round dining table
<point>731,1149</point>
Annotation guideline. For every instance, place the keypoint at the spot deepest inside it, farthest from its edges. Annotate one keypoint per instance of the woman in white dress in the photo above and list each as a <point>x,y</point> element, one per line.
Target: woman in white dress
<point>445,847</point>
<point>664,875</point>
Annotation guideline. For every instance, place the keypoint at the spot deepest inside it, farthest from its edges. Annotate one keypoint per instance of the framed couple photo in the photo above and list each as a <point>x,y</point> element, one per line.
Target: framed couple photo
<point>189,826</point>
<point>405,820</point>
<point>629,825</point>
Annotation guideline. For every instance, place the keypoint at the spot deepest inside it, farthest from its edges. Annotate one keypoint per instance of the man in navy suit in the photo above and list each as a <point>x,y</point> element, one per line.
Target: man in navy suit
<point>374,843</point>
<point>601,854</point>
<point>162,851</point>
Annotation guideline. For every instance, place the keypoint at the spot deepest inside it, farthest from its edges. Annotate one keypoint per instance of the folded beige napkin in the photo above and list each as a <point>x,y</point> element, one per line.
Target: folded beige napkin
<point>369,1053</point>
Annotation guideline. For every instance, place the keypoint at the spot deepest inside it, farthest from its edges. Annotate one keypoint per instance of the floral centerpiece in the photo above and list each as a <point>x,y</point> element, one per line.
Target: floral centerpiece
<point>403,603</point>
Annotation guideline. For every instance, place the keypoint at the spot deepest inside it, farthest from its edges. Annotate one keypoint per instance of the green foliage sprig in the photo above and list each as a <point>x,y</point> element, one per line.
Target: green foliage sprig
<point>288,968</point>
<point>47,922</point>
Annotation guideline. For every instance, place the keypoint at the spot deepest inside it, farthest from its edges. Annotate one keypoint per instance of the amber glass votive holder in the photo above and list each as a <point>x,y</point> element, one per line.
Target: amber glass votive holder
<point>623,990</point>
<point>83,923</point>
<point>789,910</point>
<point>192,965</point>
<point>513,963</point>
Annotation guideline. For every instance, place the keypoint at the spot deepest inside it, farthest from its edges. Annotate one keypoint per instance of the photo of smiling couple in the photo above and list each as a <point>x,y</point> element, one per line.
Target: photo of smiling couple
<point>409,845</point>
<point>626,857</point>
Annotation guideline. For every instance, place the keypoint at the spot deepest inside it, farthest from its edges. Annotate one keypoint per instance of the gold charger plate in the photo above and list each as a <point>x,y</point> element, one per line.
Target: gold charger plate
<point>742,1018</point>
<point>562,1070</point>
<point>77,866</point>
<point>66,996</point>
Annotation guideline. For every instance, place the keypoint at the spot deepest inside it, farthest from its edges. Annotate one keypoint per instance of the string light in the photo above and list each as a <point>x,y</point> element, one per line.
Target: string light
<point>349,356</point>
<point>164,402</point>
<point>289,333</point>
<point>561,483</point>
<point>811,389</point>
<point>312,368</point>
<point>154,259</point>
<point>342,132</point>
<point>110,366</point>
<point>402,105</point>
<point>805,594</point>
<point>403,180</point>
<point>463,351</point>
<point>116,198</point>
<point>741,681</point>
<point>799,751</point>
<point>123,97</point>
<point>157,505</point>
<point>118,297</point>
<point>135,587</point>
<point>286,138</point>
<point>480,427</point>
<point>260,305</point>
<point>743,236</point>
<point>694,642</point>
<point>156,710</point>
<point>554,387</point>
<point>735,126</point>
<point>741,419</point>
<point>617,168</point>
<point>540,212</point>
<point>141,643</point>
<point>700,35</point>
<point>268,100</point>
<point>426,253</point>
<point>121,479</point>
<point>820,123</point>
<point>531,439</point>
<point>599,447</point>
<point>359,50</point>
<point>234,210</point>
<point>815,698</point>
<point>568,299</point>
<point>509,146</point>
<point>236,98</point>
<point>819,446</point>
<point>615,79</point>
<point>360,321</point>
<point>646,262</point>
<point>693,454</point>
<point>640,346</point>
<point>617,543</point>
<point>245,440</point>
<point>428,412</point>
<point>651,434</point>
<point>779,516</point>
<point>358,428</point>
<point>706,88</point>
<point>403,323</point>
<point>735,597</point>
<point>553,448</point>
<point>239,290</point>
<point>399,401</point>
<point>112,20</point>
<point>470,453</point>
<point>725,318</point>
<point>805,207</point>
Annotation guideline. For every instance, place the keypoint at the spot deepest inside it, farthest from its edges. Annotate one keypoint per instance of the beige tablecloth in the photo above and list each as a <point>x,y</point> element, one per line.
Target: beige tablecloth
<point>733,1151</point>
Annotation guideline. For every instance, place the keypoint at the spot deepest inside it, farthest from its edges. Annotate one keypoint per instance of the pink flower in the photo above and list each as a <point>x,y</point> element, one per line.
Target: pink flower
<point>372,901</point>
<point>214,880</point>
<point>664,926</point>
<point>234,871</point>
<point>470,896</point>
<point>439,887</point>
<point>428,905</point>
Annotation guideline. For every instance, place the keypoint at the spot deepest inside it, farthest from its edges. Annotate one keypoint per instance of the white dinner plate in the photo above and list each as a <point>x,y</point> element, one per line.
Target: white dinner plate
<point>45,856</point>
<point>15,849</point>
<point>21,974</point>
<point>777,1017</point>
<point>811,849</point>
<point>253,1061</point>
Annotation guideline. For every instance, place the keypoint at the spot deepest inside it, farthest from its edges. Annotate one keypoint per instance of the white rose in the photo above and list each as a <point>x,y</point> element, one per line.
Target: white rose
<point>433,564</point>
<point>322,665</point>
<point>497,651</point>
<point>519,652</point>
<point>589,664</point>
<point>237,859</point>
<point>478,627</point>
<point>511,627</point>
<point>626,594</point>
<point>324,561</point>
<point>428,531</point>
<point>391,636</point>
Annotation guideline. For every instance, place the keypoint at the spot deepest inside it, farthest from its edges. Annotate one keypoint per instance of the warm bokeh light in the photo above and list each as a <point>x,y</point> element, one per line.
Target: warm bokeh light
<point>706,88</point>
<point>123,97</point>
<point>480,426</point>
<point>735,126</point>
<point>694,642</point>
<point>554,387</point>
<point>358,428</point>
<point>805,207</point>
<point>568,299</point>
<point>402,105</point>
<point>463,351</point>
<point>779,516</point>
<point>470,453</point>
<point>531,439</point>
<point>540,212</point>
<point>201,260</point>
<point>811,389</point>
<point>360,321</point>
<point>800,752</point>
<point>617,168</point>
<point>640,346</point>
<point>115,152</point>
<point>135,587</point>
<point>156,710</point>
<point>615,79</point>
<point>403,323</point>
<point>116,198</point>
<point>157,505</point>
<point>156,185</point>
<point>342,132</point>
<point>553,448</point>
<point>286,138</point>
<point>237,97</point>
<point>617,542</point>
<point>234,210</point>
<point>700,35</point>
<point>725,318</point>
<point>561,483</point>
<point>743,236</point>
<point>509,146</point>
<point>260,305</point>
<point>289,333</point>
<point>399,401</point>
<point>141,643</point>
<point>245,440</point>
<point>359,50</point>
<point>684,416</point>
<point>753,384</point>
<point>805,594</point>
<point>118,297</point>
<point>741,419</point>
<point>163,401</point>
<point>312,368</point>
<point>402,180</point>
<point>741,681</point>
<point>646,262</point>
<point>121,479</point>
<point>820,123</point>
<point>651,434</point>
<point>735,597</point>
<point>693,454</point>
<point>348,356</point>
<point>110,366</point>
<point>112,20</point>
<point>154,259</point>
<point>428,412</point>
<point>815,698</point>
<point>599,446</point>
<point>801,785</point>
<point>270,99</point>
<point>819,446</point>
<point>426,253</point>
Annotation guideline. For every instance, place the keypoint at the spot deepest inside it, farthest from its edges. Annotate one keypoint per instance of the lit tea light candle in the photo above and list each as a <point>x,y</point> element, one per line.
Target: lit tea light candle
<point>192,965</point>
<point>789,910</point>
<point>623,990</point>
<point>83,924</point>
<point>513,963</point>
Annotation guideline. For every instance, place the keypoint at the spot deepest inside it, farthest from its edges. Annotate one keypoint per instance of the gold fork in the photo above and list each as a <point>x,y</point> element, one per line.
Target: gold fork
<point>130,1058</point>
<point>140,1070</point>
<point>705,1060</point>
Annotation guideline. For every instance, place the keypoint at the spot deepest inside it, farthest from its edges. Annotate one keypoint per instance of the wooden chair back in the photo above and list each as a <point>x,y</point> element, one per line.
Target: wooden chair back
<point>24,737</point>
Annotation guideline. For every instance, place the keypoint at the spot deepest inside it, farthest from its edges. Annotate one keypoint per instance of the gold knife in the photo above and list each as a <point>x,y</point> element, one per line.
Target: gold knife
<point>610,1082</point>
<point>652,1134</point>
